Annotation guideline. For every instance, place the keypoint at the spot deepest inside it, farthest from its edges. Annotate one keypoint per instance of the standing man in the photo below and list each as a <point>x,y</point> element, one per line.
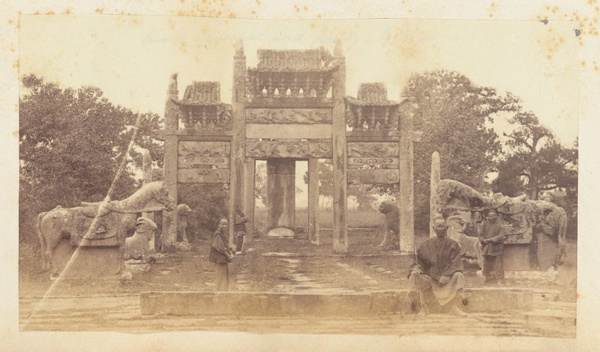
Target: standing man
<point>239,228</point>
<point>221,255</point>
<point>436,279</point>
<point>492,239</point>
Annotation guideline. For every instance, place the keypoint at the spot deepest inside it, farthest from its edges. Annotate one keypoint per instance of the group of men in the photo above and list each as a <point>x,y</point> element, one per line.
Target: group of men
<point>436,279</point>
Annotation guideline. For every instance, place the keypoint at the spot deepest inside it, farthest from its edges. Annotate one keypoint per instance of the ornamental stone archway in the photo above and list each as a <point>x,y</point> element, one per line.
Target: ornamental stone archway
<point>292,106</point>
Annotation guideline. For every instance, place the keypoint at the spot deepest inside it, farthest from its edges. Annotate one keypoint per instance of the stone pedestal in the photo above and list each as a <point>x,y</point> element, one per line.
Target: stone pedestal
<point>281,193</point>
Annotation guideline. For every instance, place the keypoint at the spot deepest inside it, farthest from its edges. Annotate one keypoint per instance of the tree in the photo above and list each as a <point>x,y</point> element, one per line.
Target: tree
<point>71,142</point>
<point>536,162</point>
<point>455,117</point>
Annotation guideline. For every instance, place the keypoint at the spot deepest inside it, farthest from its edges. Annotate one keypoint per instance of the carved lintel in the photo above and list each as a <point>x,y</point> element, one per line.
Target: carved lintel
<point>203,176</point>
<point>297,116</point>
<point>288,149</point>
<point>373,150</point>
<point>386,163</point>
<point>379,176</point>
<point>203,149</point>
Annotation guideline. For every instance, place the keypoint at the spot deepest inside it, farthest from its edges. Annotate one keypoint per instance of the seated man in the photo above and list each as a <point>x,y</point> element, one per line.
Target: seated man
<point>437,279</point>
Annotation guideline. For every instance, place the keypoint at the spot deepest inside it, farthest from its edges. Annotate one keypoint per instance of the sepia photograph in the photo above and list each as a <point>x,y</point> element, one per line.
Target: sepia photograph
<point>378,177</point>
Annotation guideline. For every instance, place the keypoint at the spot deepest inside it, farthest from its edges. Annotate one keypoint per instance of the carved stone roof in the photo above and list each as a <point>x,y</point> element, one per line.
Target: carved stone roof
<point>202,94</point>
<point>371,94</point>
<point>313,60</point>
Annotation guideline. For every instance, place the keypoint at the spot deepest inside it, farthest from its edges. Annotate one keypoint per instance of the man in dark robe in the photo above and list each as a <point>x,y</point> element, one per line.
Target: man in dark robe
<point>436,280</point>
<point>221,255</point>
<point>492,239</point>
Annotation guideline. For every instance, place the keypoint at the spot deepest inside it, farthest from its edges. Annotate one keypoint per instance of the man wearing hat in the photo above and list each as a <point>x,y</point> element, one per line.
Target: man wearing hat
<point>492,239</point>
<point>436,279</point>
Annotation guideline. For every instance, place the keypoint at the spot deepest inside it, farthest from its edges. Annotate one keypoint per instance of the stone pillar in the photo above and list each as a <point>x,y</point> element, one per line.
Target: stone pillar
<point>281,193</point>
<point>433,187</point>
<point>249,198</point>
<point>406,201</point>
<point>313,200</point>
<point>238,140</point>
<point>169,232</point>
<point>340,185</point>
<point>147,176</point>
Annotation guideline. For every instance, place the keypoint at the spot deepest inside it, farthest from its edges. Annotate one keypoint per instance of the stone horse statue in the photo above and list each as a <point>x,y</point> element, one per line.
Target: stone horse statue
<point>114,219</point>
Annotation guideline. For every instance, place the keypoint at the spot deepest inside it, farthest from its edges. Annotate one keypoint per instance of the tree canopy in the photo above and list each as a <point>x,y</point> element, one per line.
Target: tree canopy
<point>455,116</point>
<point>71,142</point>
<point>535,161</point>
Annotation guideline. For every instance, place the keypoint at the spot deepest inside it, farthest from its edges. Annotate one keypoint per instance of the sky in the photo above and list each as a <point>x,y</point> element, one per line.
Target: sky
<point>131,57</point>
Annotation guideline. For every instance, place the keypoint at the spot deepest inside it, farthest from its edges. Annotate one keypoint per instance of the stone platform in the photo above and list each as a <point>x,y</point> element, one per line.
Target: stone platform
<point>320,304</point>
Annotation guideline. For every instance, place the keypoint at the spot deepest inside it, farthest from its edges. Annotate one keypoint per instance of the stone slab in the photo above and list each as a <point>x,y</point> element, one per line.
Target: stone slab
<point>320,304</point>
<point>91,262</point>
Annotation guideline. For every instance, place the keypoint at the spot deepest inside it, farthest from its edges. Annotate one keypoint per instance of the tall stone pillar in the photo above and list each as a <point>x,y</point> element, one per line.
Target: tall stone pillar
<point>406,201</point>
<point>281,193</point>
<point>239,134</point>
<point>313,200</point>
<point>249,197</point>
<point>147,178</point>
<point>340,185</point>
<point>169,233</point>
<point>433,187</point>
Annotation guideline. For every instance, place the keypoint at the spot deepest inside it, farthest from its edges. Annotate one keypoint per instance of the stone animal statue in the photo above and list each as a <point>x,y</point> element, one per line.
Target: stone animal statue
<point>183,212</point>
<point>391,227</point>
<point>112,220</point>
<point>536,222</point>
<point>137,246</point>
<point>541,222</point>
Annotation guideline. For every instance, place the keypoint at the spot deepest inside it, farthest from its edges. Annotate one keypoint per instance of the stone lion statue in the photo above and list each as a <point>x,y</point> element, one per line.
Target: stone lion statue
<point>183,212</point>
<point>391,226</point>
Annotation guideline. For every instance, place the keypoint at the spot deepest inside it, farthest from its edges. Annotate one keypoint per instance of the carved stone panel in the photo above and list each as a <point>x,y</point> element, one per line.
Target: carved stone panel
<point>203,176</point>
<point>297,116</point>
<point>287,149</point>
<point>319,131</point>
<point>194,161</point>
<point>385,163</point>
<point>379,176</point>
<point>373,150</point>
<point>203,149</point>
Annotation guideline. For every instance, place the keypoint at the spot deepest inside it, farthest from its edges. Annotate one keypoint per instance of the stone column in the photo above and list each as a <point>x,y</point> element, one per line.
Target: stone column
<point>239,135</point>
<point>281,193</point>
<point>249,198</point>
<point>147,176</point>
<point>433,187</point>
<point>313,200</point>
<point>406,201</point>
<point>340,185</point>
<point>169,233</point>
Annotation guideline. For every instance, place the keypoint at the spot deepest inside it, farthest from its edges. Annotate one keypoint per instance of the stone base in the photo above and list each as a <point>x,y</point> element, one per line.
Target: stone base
<point>91,262</point>
<point>137,266</point>
<point>282,232</point>
<point>550,276</point>
<point>316,304</point>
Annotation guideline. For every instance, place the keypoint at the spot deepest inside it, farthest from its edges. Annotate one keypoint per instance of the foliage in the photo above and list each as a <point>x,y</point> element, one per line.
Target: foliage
<point>208,202</point>
<point>71,143</point>
<point>536,162</point>
<point>455,117</point>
